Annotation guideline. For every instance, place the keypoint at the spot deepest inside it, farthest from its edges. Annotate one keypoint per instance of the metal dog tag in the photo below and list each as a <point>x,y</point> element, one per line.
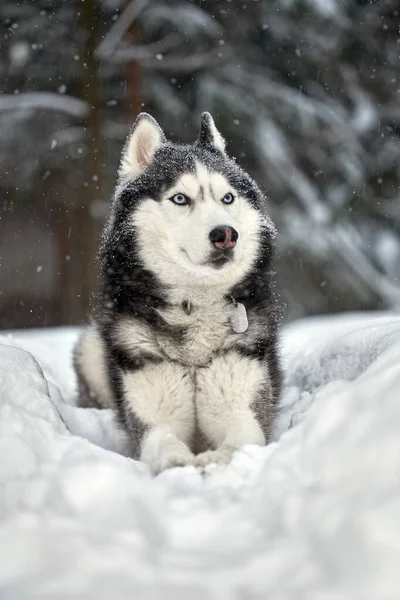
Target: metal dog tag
<point>239,322</point>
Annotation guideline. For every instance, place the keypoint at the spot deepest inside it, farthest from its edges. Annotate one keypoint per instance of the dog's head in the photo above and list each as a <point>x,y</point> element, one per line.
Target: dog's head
<point>197,217</point>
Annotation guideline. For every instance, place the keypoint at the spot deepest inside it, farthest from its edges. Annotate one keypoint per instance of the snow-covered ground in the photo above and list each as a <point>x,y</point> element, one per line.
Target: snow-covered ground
<point>315,515</point>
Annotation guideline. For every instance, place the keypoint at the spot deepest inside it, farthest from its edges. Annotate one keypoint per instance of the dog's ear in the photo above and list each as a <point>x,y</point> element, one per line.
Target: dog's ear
<point>209,136</point>
<point>143,140</point>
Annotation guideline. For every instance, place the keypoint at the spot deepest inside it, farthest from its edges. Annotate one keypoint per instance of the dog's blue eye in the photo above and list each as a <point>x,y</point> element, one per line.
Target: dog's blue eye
<point>180,199</point>
<point>227,199</point>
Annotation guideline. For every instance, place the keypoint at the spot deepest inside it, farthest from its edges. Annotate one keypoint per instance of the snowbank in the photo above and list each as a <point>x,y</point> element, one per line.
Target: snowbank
<point>316,514</point>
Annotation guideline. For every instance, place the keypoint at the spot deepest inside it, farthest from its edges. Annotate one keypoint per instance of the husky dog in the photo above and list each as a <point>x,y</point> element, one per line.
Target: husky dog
<point>183,339</point>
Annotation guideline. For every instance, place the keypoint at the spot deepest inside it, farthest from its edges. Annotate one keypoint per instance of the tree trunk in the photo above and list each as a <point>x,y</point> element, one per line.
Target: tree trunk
<point>133,75</point>
<point>84,227</point>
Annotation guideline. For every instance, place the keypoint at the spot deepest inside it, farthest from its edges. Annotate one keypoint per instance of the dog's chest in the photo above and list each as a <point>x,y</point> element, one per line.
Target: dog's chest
<point>204,330</point>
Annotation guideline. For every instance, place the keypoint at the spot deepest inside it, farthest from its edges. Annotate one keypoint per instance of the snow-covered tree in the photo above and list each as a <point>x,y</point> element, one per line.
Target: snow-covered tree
<point>305,91</point>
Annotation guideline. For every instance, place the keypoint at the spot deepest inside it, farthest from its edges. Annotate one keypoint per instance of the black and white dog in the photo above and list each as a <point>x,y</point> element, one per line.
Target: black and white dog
<point>183,339</point>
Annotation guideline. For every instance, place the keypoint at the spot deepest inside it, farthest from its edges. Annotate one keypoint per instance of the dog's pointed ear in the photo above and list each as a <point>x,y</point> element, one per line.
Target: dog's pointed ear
<point>209,136</point>
<point>143,140</point>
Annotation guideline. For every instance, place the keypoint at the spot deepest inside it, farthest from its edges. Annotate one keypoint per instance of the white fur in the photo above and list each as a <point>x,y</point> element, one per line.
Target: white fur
<point>140,148</point>
<point>208,325</point>
<point>208,329</point>
<point>162,396</point>
<point>224,394</point>
<point>161,449</point>
<point>217,139</point>
<point>91,359</point>
<point>136,337</point>
<point>165,397</point>
<point>171,398</point>
<point>166,233</point>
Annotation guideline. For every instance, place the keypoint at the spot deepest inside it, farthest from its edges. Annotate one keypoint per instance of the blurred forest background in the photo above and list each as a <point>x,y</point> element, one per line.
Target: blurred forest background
<point>306,93</point>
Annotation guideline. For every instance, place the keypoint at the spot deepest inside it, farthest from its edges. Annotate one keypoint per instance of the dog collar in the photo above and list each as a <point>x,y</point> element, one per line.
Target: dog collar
<point>239,320</point>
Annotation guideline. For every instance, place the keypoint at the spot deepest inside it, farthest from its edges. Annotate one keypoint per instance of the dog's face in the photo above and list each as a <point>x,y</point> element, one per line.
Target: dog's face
<point>199,219</point>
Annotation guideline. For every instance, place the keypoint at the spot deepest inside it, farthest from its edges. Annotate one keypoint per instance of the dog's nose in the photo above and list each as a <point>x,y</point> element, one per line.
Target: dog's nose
<point>224,237</point>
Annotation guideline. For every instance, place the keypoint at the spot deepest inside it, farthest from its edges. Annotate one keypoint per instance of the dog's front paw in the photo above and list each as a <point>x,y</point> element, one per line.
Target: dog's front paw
<point>221,456</point>
<point>170,460</point>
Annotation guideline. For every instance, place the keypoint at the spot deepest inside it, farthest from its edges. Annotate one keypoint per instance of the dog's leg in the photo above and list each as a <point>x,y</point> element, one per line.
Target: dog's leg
<point>92,371</point>
<point>234,405</point>
<point>158,406</point>
<point>162,449</point>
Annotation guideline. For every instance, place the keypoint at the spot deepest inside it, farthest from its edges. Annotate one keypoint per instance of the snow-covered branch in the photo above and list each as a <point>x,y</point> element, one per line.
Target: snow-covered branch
<point>191,63</point>
<point>44,101</point>
<point>119,28</point>
<point>141,52</point>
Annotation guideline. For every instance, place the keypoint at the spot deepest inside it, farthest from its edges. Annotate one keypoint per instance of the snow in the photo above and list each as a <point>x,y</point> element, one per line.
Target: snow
<point>44,101</point>
<point>316,514</point>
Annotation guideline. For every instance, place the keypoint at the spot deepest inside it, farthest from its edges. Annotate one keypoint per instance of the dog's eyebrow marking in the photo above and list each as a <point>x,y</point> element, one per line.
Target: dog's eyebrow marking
<point>188,184</point>
<point>187,307</point>
<point>202,179</point>
<point>201,193</point>
<point>218,186</point>
<point>212,192</point>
